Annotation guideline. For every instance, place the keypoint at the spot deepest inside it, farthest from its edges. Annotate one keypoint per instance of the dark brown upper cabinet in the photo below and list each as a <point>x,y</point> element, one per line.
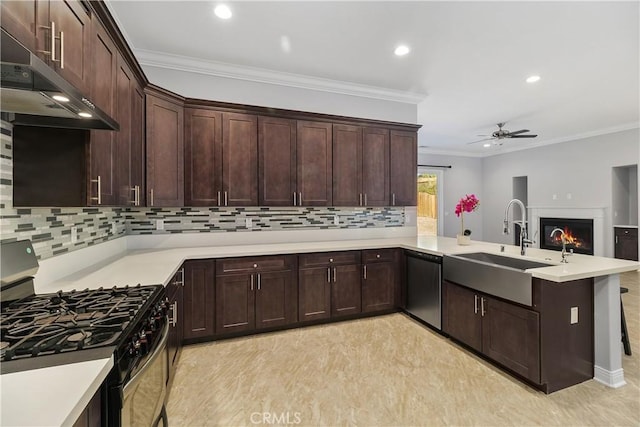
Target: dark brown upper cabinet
<point>277,183</point>
<point>165,149</point>
<point>314,163</point>
<point>221,154</point>
<point>360,166</point>
<point>403,168</point>
<point>101,182</point>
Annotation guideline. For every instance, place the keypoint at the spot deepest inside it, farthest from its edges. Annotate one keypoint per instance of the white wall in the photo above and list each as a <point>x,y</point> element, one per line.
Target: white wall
<point>578,173</point>
<point>203,86</point>
<point>464,177</point>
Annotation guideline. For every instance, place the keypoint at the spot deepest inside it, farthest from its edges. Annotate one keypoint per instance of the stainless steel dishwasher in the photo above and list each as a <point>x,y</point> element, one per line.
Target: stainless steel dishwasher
<point>424,283</point>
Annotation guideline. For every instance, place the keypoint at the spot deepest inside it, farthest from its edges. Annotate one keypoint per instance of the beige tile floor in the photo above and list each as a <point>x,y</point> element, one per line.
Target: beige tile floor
<point>383,371</point>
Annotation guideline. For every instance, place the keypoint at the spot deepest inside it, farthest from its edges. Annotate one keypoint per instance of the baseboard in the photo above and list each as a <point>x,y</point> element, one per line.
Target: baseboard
<point>613,379</point>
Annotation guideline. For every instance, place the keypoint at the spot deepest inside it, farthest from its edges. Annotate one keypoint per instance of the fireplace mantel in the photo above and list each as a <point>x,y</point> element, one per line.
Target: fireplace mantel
<point>595,213</point>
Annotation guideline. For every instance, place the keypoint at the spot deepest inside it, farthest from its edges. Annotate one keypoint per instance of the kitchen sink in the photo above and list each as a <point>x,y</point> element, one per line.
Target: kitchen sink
<point>492,274</point>
<point>504,261</point>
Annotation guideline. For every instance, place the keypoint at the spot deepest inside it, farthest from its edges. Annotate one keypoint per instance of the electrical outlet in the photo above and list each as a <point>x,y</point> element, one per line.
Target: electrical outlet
<point>336,220</point>
<point>74,234</point>
<point>248,222</point>
<point>574,315</point>
<point>160,224</point>
<point>114,229</point>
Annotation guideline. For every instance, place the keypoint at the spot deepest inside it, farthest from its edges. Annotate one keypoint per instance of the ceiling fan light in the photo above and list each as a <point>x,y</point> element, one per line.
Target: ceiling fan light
<point>533,79</point>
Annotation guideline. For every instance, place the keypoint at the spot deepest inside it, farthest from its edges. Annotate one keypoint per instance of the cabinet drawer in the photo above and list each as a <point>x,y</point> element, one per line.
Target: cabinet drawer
<point>326,259</point>
<point>628,232</point>
<point>255,264</point>
<point>377,255</point>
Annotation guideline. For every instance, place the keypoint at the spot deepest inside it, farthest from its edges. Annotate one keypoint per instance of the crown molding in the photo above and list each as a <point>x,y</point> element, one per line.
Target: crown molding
<point>230,71</point>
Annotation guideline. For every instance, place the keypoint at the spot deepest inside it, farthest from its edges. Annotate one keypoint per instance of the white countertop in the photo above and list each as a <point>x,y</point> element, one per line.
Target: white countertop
<point>24,402</point>
<point>53,396</point>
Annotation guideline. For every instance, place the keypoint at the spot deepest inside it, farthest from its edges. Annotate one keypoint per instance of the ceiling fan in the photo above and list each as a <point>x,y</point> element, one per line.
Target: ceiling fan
<point>503,133</point>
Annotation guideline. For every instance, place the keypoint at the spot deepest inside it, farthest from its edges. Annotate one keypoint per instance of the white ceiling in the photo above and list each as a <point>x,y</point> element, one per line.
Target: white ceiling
<point>467,66</point>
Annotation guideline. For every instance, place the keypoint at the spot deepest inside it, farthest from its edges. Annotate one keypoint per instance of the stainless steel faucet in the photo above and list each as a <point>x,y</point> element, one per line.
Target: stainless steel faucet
<point>523,224</point>
<point>564,243</point>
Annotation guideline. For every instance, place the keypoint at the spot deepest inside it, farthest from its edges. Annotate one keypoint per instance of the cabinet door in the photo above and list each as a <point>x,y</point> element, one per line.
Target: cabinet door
<point>378,286</point>
<point>314,168</point>
<point>347,166</point>
<point>235,303</point>
<point>73,41</point>
<point>276,299</point>
<point>174,339</point>
<point>375,166</point>
<point>346,290</point>
<point>626,243</point>
<point>240,159</point>
<point>165,131</point>
<point>403,168</point>
<point>137,144</point>
<point>203,157</point>
<point>199,299</point>
<point>511,337</point>
<point>102,149</point>
<point>276,162</point>
<point>314,287</point>
<point>462,317</point>
<point>19,19</point>
<point>124,104</point>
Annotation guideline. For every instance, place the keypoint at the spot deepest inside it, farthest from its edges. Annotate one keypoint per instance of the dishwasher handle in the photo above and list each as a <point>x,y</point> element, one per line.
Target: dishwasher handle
<point>424,256</point>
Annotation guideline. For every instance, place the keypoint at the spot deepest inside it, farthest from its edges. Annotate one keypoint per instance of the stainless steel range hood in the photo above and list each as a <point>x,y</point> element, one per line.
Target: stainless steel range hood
<point>32,93</point>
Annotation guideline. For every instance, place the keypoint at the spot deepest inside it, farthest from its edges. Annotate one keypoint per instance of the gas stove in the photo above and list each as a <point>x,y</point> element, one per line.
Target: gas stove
<point>68,327</point>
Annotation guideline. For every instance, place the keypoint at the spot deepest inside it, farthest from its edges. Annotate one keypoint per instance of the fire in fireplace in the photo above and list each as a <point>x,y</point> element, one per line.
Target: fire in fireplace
<point>578,234</point>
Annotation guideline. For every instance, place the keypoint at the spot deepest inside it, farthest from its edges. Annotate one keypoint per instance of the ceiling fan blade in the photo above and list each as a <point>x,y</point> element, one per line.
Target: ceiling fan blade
<point>523,136</point>
<point>480,140</point>
<point>519,131</point>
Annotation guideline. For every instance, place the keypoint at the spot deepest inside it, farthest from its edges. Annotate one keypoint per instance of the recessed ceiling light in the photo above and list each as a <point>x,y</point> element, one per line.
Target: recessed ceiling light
<point>401,50</point>
<point>85,115</point>
<point>533,79</point>
<point>60,98</point>
<point>222,11</point>
<point>486,145</point>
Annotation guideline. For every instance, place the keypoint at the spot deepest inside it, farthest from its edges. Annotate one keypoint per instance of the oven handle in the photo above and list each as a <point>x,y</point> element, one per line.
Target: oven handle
<point>157,352</point>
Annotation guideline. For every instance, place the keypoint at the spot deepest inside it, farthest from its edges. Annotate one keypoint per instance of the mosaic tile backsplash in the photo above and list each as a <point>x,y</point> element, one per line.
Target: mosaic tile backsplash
<point>51,229</point>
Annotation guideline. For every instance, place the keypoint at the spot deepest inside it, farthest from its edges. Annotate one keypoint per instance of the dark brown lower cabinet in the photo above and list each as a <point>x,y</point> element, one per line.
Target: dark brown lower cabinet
<point>199,299</point>
<point>626,243</point>
<point>255,293</point>
<point>91,416</point>
<point>346,290</point>
<point>540,344</point>
<point>380,280</point>
<point>314,293</point>
<point>175,291</point>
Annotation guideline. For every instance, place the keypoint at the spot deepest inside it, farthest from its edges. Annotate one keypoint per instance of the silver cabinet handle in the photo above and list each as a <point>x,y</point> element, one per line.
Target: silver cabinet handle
<point>300,198</point>
<point>252,282</point>
<point>151,194</point>
<point>226,199</point>
<point>98,181</point>
<point>137,195</point>
<point>360,199</point>
<point>181,281</point>
<point>475,304</point>
<point>328,275</point>
<point>482,312</point>
<point>62,50</point>
<point>219,198</point>
<point>174,314</point>
<point>616,240</point>
<point>364,275</point>
<point>52,52</point>
<point>365,199</point>
<point>334,275</point>
<point>258,281</point>
<point>295,202</point>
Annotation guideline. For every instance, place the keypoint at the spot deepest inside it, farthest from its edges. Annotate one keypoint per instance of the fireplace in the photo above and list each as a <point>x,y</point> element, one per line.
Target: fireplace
<point>578,234</point>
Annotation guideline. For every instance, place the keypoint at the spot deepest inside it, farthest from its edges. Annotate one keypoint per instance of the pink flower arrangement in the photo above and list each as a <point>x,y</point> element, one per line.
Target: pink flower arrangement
<point>469,203</point>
